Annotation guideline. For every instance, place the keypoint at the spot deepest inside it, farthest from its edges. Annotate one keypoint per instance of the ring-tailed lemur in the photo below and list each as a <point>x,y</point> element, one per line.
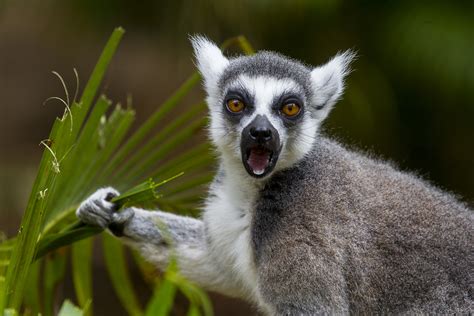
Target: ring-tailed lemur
<point>295,222</point>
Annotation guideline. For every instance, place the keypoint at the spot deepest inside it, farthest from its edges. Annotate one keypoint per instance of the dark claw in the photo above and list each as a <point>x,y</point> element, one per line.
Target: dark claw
<point>110,196</point>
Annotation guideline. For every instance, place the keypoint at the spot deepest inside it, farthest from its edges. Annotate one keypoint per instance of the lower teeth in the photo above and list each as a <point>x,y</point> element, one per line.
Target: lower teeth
<point>258,160</point>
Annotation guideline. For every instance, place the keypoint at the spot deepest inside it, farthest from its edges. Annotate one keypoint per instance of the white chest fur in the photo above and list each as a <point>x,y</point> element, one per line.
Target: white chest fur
<point>228,217</point>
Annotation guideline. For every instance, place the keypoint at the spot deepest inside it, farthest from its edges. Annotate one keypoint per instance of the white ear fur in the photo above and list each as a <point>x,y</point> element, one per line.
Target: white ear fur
<point>328,82</point>
<point>209,60</point>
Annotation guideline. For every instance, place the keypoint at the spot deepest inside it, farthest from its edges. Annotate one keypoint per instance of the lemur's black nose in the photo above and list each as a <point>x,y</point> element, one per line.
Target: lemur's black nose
<point>261,133</point>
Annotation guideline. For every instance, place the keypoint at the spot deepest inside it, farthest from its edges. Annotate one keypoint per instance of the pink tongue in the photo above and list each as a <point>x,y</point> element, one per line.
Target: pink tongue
<point>258,160</point>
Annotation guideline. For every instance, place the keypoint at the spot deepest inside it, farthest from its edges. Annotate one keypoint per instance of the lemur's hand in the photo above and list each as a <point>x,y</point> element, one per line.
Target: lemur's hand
<point>97,210</point>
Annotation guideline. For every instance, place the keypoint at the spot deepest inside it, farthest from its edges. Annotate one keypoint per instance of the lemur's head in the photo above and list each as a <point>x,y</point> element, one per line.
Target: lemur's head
<point>265,109</point>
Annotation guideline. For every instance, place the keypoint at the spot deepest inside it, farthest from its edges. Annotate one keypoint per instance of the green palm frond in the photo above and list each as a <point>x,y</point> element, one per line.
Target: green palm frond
<point>91,146</point>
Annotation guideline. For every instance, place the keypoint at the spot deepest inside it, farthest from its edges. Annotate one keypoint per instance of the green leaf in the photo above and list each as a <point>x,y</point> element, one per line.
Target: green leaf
<point>6,248</point>
<point>55,267</point>
<point>83,152</point>
<point>112,131</point>
<point>10,312</point>
<point>143,192</point>
<point>32,290</point>
<point>61,138</point>
<point>162,301</point>
<point>193,159</point>
<point>240,41</point>
<point>77,231</point>
<point>98,73</point>
<point>192,183</point>
<point>25,242</point>
<point>81,258</point>
<point>2,288</point>
<point>84,148</point>
<point>55,241</point>
<point>193,310</point>
<point>118,272</point>
<point>138,173</point>
<point>69,309</point>
<point>163,297</point>
<point>152,122</point>
<point>153,143</point>
<point>196,296</point>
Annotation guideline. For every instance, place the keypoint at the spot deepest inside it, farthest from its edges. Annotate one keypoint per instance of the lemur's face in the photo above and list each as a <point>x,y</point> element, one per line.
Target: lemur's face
<point>265,109</point>
<point>263,120</point>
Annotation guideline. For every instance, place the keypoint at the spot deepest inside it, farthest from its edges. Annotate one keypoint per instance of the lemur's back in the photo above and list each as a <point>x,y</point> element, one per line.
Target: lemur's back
<point>355,234</point>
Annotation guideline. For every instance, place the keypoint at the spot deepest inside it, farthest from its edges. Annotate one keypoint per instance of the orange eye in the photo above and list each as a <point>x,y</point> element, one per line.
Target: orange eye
<point>290,109</point>
<point>235,105</point>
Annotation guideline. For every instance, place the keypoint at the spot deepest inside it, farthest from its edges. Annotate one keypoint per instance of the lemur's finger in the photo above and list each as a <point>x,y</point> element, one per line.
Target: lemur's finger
<point>110,195</point>
<point>106,194</point>
<point>123,216</point>
<point>105,206</point>
<point>92,214</point>
<point>118,221</point>
<point>102,198</point>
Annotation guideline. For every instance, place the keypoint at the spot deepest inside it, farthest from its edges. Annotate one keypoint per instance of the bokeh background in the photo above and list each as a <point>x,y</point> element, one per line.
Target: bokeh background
<point>410,97</point>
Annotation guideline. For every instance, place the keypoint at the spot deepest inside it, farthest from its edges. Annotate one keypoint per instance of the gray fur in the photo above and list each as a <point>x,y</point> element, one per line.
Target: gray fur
<point>140,225</point>
<point>341,233</point>
<point>160,236</point>
<point>147,226</point>
<point>268,64</point>
<point>335,233</point>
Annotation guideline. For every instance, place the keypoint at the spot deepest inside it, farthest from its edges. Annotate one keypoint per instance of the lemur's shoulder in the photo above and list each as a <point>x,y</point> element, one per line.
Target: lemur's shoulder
<point>332,170</point>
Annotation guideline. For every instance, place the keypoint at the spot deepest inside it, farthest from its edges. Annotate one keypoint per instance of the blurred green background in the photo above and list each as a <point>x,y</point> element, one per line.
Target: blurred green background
<point>410,97</point>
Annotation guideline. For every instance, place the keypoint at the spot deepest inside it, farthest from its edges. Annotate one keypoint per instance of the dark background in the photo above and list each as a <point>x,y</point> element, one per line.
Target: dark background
<point>410,98</point>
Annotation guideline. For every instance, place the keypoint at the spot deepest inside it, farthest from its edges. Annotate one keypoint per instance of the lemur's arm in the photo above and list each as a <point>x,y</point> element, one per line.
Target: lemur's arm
<point>183,236</point>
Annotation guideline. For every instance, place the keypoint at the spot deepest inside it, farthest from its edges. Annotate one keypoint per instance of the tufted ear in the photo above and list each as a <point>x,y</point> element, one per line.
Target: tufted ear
<point>209,60</point>
<point>328,82</point>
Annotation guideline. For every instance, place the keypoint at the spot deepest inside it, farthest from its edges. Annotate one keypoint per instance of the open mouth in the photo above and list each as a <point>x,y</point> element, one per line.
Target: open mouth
<point>259,160</point>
